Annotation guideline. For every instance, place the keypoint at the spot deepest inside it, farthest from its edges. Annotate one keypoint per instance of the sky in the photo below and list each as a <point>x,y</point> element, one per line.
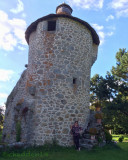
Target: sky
<point>108,17</point>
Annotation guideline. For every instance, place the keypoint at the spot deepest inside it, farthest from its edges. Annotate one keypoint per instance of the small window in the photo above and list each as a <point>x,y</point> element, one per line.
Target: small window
<point>74,80</point>
<point>51,25</point>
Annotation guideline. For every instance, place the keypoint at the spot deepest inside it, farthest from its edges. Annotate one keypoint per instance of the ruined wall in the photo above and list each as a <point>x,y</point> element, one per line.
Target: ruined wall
<point>55,86</point>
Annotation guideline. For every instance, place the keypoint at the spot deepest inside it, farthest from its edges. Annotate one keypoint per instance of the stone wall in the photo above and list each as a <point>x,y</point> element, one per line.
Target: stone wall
<point>54,90</point>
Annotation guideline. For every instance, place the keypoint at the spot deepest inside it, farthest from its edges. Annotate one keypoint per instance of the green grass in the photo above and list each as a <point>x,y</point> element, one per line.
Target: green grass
<point>108,152</point>
<point>116,137</point>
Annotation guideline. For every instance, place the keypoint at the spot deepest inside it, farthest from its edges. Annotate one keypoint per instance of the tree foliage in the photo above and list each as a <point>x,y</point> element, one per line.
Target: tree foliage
<point>99,90</point>
<point>112,92</point>
<point>1,118</point>
<point>121,69</point>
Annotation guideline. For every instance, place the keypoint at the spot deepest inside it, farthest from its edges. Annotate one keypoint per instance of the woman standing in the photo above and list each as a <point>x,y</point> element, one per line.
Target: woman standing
<point>75,130</point>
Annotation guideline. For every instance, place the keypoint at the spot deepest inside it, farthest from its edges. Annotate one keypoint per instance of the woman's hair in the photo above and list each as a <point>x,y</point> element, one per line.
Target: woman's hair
<point>76,121</point>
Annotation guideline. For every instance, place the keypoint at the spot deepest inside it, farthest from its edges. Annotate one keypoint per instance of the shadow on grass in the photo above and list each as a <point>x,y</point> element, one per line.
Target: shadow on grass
<point>50,152</point>
<point>57,148</point>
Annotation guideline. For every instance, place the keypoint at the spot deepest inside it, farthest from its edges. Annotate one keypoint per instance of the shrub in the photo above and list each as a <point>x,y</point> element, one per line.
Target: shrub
<point>108,136</point>
<point>92,108</point>
<point>100,139</point>
<point>121,139</point>
<point>93,131</point>
<point>54,142</point>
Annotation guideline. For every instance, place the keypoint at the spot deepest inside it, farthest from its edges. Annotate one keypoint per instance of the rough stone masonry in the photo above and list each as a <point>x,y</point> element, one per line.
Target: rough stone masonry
<point>53,91</point>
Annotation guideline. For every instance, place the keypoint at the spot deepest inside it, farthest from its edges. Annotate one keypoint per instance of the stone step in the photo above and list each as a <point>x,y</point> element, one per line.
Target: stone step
<point>86,135</point>
<point>87,146</point>
<point>88,141</point>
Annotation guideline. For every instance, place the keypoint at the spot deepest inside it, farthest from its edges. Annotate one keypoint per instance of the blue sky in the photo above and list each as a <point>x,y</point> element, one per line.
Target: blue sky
<point>108,17</point>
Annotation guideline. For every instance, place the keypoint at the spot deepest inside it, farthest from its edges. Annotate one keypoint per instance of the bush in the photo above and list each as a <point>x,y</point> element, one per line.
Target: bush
<point>100,140</point>
<point>121,139</point>
<point>108,136</point>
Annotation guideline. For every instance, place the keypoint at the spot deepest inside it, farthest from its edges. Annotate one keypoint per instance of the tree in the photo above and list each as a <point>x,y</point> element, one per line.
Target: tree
<point>121,69</point>
<point>99,90</point>
<point>1,118</point>
<point>113,92</point>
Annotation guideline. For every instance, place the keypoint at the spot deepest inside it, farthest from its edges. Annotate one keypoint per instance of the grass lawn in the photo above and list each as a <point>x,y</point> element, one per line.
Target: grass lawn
<point>109,152</point>
<point>116,137</point>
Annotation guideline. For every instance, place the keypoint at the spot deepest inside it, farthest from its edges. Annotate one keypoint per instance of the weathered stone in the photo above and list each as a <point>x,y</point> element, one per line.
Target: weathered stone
<point>63,101</point>
<point>65,131</point>
<point>73,115</point>
<point>76,111</point>
<point>60,76</point>
<point>51,75</point>
<point>60,119</point>
<point>58,95</point>
<point>43,92</point>
<point>67,116</point>
<point>56,71</point>
<point>40,71</point>
<point>48,132</point>
<point>32,90</point>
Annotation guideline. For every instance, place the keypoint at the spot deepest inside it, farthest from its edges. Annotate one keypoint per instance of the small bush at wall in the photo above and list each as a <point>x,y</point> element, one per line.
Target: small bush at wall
<point>54,142</point>
<point>121,139</point>
<point>18,131</point>
<point>100,139</point>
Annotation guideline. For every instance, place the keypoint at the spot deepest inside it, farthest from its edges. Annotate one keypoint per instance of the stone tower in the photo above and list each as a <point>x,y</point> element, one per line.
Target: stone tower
<point>53,91</point>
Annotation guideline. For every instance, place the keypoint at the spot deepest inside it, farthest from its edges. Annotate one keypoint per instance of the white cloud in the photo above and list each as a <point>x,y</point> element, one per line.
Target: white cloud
<point>24,15</point>
<point>21,48</point>
<point>3,95</point>
<point>110,17</point>
<point>97,27</point>
<point>87,4</point>
<point>120,6</point>
<point>5,75</point>
<point>109,34</point>
<point>111,28</point>
<point>19,8</point>
<point>117,4</point>
<point>3,107</point>
<point>102,34</point>
<point>19,26</point>
<point>11,32</point>
<point>122,13</point>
